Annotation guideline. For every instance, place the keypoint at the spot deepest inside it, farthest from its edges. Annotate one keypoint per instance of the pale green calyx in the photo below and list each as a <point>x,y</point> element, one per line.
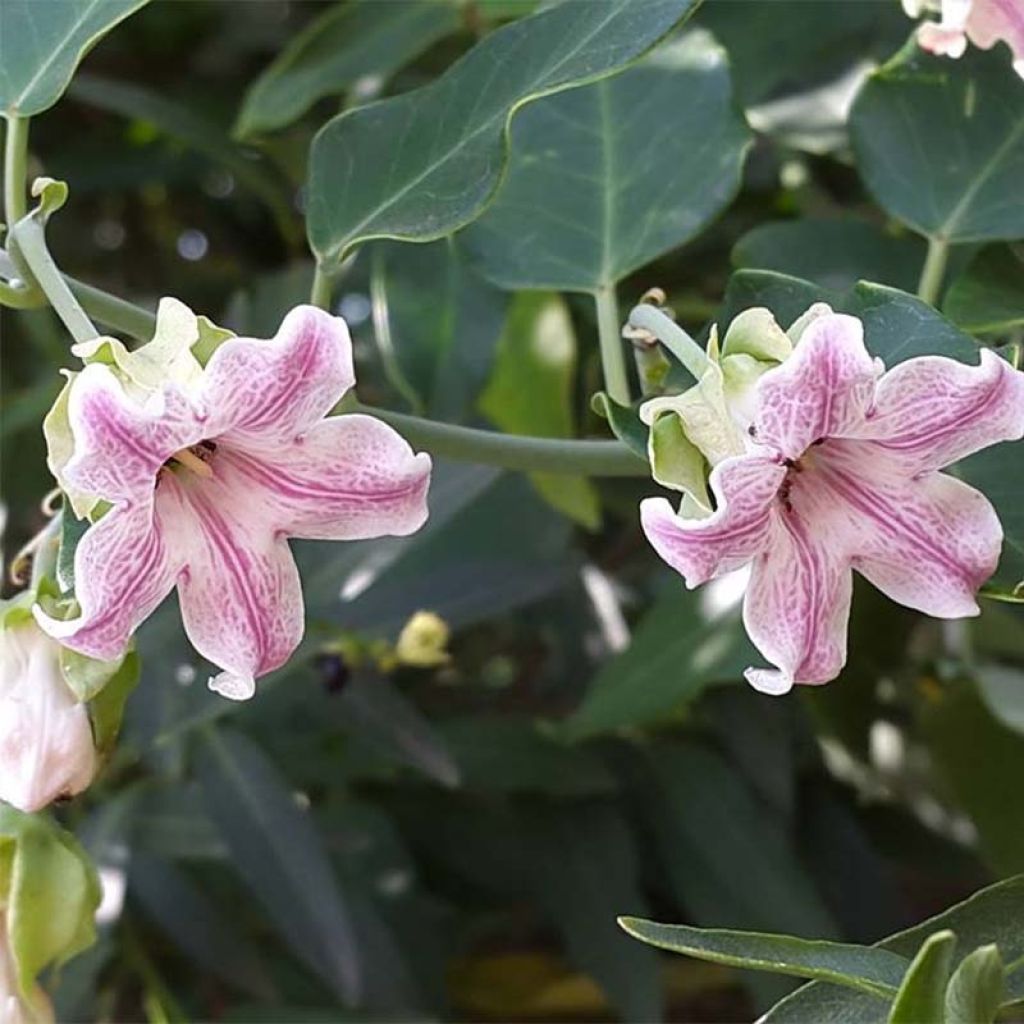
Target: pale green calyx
<point>709,422</point>
<point>177,352</point>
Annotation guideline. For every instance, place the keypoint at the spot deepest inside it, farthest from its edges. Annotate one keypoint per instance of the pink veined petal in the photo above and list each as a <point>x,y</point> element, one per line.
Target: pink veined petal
<point>241,601</point>
<point>120,445</point>
<point>797,606</point>
<point>699,549</point>
<point>931,411</point>
<point>994,20</point>
<point>350,477</point>
<point>822,390</point>
<point>269,391</point>
<point>941,40</point>
<point>122,572</point>
<point>928,543</point>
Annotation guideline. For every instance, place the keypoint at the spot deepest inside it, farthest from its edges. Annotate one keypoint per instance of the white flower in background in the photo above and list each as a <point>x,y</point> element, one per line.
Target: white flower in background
<point>46,741</point>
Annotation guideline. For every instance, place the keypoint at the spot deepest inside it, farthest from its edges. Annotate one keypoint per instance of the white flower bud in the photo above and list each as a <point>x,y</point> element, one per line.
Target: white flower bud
<point>46,741</point>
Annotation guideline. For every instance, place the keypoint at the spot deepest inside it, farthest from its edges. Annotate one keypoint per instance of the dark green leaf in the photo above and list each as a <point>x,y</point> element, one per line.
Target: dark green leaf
<point>624,421</point>
<point>429,160</point>
<point>42,43</point>
<point>345,43</point>
<point>859,967</point>
<point>280,854</point>
<point>604,179</point>
<point>679,648</point>
<point>922,995</point>
<point>941,143</point>
<point>989,296</point>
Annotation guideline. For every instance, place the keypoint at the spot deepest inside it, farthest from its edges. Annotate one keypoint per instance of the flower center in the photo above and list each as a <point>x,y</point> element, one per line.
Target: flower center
<point>195,459</point>
<point>794,467</point>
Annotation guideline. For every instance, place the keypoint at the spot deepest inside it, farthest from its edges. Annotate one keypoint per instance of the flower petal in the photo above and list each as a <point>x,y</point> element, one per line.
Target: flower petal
<point>993,20</point>
<point>120,445</point>
<point>272,390</point>
<point>938,39</point>
<point>241,601</point>
<point>931,411</point>
<point>122,572</point>
<point>928,543</point>
<point>797,605</point>
<point>822,390</point>
<point>745,489</point>
<point>350,477</point>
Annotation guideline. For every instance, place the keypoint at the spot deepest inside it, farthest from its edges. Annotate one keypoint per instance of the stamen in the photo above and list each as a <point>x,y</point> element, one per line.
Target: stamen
<point>191,461</point>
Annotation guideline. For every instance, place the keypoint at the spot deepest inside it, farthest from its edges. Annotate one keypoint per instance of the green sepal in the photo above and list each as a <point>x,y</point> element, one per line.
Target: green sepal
<point>676,462</point>
<point>52,195</point>
<point>106,708</point>
<point>49,891</point>
<point>624,421</point>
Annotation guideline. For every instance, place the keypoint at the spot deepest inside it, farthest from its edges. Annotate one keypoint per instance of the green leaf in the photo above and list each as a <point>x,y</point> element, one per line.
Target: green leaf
<point>976,989</point>
<point>990,916</point>
<point>1002,690</point>
<point>956,728</point>
<point>680,647</point>
<point>606,178</point>
<point>624,421</point>
<point>182,910</point>
<point>921,997</point>
<point>860,967</point>
<point>372,707</point>
<point>429,160</point>
<point>42,43</point>
<point>106,709</point>
<point>940,143</point>
<point>347,42</point>
<point>988,297</point>
<point>436,324</point>
<point>835,254</point>
<point>195,130</point>
<point>278,851</point>
<point>532,389</point>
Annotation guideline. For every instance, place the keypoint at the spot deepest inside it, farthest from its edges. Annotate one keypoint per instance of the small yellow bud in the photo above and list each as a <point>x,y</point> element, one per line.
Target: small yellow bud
<point>423,640</point>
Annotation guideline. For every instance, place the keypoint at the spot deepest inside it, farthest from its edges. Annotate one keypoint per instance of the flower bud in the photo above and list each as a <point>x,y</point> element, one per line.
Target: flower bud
<point>423,640</point>
<point>46,740</point>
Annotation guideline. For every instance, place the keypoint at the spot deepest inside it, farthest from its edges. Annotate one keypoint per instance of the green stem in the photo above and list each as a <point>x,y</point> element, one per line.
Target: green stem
<point>30,242</point>
<point>117,313</point>
<point>320,293</point>
<point>934,270</point>
<point>15,170</point>
<point>382,333</point>
<point>673,337</point>
<point>609,332</point>
<point>513,451</point>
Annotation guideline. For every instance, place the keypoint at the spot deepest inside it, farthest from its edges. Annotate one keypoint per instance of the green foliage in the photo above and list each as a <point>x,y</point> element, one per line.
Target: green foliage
<point>451,148</point>
<point>922,994</point>
<point>988,297</point>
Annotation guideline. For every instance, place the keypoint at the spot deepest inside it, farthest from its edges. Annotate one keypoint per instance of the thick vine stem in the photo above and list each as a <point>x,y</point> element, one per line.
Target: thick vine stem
<point>320,293</point>
<point>672,336</point>
<point>15,168</point>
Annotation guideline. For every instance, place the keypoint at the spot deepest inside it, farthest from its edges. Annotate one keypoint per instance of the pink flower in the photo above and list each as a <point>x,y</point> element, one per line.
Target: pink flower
<point>208,481</point>
<point>842,474</point>
<point>983,22</point>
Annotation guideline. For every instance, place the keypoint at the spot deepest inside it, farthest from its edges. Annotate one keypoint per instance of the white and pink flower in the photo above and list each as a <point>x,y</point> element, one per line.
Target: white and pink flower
<point>982,22</point>
<point>208,480</point>
<point>841,473</point>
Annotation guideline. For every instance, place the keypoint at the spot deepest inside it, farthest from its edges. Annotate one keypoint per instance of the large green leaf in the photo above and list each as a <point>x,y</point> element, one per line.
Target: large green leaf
<point>989,296</point>
<point>940,144</point>
<point>345,43</point>
<point>532,389</point>
<point>278,851</point>
<point>680,647</point>
<point>604,179</point>
<point>991,916</point>
<point>859,967</point>
<point>436,323</point>
<point>421,165</point>
<point>835,254</point>
<point>42,42</point>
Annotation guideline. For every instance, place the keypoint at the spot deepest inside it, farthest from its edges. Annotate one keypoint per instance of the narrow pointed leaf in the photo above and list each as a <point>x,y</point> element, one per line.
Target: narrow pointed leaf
<point>921,997</point>
<point>429,160</point>
<point>976,989</point>
<point>860,967</point>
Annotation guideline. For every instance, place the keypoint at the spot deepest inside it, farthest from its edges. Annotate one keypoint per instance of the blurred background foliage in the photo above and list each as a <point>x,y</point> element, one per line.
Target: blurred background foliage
<point>457,841</point>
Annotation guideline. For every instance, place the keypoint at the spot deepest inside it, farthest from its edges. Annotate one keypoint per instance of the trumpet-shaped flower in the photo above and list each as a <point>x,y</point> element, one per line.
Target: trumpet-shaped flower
<point>982,22</point>
<point>46,740</point>
<point>208,478</point>
<point>841,473</point>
